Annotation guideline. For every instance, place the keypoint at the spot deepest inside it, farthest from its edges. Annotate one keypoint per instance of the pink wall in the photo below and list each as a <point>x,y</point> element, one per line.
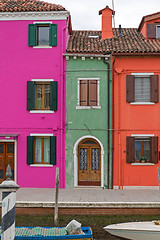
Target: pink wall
<point>19,64</point>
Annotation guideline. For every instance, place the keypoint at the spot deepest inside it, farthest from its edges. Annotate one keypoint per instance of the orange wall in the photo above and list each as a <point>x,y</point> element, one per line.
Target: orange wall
<point>133,119</point>
<point>144,28</point>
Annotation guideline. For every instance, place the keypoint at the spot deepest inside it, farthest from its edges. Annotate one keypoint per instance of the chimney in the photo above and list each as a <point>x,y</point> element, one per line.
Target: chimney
<point>107,31</point>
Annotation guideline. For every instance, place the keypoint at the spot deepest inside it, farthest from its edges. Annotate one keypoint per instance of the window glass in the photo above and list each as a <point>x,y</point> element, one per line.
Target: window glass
<point>47,96</point>
<point>158,31</point>
<point>42,150</point>
<point>142,149</point>
<point>142,89</point>
<point>43,35</point>
<point>42,96</point>
<point>38,150</point>
<point>46,150</point>
<point>39,96</point>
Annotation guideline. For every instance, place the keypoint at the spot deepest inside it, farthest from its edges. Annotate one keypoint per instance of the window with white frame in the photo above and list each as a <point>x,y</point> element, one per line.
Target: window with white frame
<point>158,31</point>
<point>142,88</point>
<point>88,92</point>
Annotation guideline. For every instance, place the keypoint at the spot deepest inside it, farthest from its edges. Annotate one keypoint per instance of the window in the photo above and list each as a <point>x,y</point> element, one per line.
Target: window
<point>142,88</point>
<point>42,95</point>
<point>142,149</point>
<point>42,34</point>
<point>88,93</point>
<point>158,31</point>
<point>41,150</point>
<point>153,30</point>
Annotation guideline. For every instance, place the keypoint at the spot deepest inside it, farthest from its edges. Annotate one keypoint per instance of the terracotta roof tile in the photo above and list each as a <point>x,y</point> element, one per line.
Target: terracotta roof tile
<point>28,6</point>
<point>130,41</point>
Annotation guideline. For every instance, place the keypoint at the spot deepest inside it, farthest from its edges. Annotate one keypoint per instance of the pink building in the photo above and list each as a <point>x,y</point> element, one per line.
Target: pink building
<point>32,91</point>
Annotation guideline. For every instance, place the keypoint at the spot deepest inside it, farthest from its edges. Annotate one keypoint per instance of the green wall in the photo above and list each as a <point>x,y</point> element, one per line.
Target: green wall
<point>82,122</point>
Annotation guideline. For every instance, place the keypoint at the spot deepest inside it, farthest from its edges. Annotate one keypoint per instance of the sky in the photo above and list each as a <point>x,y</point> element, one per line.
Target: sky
<point>128,13</point>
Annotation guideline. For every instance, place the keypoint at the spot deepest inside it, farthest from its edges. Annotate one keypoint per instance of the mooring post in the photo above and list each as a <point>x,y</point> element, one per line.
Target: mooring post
<point>9,188</point>
<point>56,199</point>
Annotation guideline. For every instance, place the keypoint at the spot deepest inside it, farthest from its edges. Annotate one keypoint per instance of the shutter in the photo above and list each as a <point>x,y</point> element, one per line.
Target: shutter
<point>154,88</point>
<point>130,88</point>
<point>30,95</point>
<point>53,35</point>
<point>83,93</point>
<point>30,150</point>
<point>32,35</point>
<point>53,96</point>
<point>53,150</point>
<point>151,30</point>
<point>130,152</point>
<point>92,92</point>
<point>154,149</point>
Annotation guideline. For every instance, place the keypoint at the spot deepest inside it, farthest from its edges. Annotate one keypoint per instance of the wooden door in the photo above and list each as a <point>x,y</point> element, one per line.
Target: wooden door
<point>89,163</point>
<point>6,157</point>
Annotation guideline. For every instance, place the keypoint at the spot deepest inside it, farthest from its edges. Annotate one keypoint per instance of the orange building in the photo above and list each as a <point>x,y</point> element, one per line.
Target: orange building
<point>135,101</point>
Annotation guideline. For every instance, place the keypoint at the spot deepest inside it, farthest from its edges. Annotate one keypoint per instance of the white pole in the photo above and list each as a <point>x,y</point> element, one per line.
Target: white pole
<point>56,199</point>
<point>9,189</point>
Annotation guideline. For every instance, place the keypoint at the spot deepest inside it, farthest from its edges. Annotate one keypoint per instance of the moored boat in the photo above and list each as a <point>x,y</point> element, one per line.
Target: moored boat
<point>46,233</point>
<point>135,230</point>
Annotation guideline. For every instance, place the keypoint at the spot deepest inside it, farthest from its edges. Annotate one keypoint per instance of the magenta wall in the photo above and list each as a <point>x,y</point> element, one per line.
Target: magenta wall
<point>20,63</point>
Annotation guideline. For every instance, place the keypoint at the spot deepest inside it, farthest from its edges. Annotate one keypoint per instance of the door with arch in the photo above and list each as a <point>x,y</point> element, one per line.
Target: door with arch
<point>89,163</point>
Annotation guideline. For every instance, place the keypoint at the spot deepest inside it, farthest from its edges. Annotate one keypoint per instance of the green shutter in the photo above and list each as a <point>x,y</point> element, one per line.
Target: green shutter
<point>32,35</point>
<point>53,35</point>
<point>53,150</point>
<point>30,150</point>
<point>30,95</point>
<point>53,96</point>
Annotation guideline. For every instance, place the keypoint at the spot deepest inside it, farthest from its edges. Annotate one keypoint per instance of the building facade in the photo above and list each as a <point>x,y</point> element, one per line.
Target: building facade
<point>32,90</point>
<point>88,135</point>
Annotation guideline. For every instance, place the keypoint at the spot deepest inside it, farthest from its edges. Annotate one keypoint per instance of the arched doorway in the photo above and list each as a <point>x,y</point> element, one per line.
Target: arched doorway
<point>89,163</point>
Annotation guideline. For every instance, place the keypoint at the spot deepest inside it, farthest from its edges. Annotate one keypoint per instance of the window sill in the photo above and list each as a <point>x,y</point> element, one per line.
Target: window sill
<point>88,107</point>
<point>142,103</point>
<point>41,111</point>
<point>42,46</point>
<point>41,165</point>
<point>142,164</point>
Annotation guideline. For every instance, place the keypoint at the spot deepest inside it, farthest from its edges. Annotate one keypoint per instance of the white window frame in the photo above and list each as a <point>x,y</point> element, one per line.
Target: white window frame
<point>158,26</point>
<point>43,81</point>
<point>41,135</point>
<point>44,45</point>
<point>142,75</point>
<point>98,94</point>
<point>141,136</point>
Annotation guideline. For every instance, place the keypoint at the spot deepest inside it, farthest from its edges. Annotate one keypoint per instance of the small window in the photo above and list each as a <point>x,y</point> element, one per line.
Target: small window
<point>88,93</point>
<point>42,95</point>
<point>41,150</point>
<point>142,89</point>
<point>158,31</point>
<point>42,35</point>
<point>142,149</point>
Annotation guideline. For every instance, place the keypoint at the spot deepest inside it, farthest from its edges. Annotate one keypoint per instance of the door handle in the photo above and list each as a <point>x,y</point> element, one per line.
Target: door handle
<point>82,171</point>
<point>95,171</point>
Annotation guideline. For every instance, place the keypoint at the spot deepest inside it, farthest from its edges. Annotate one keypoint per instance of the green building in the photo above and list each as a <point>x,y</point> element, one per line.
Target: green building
<point>88,119</point>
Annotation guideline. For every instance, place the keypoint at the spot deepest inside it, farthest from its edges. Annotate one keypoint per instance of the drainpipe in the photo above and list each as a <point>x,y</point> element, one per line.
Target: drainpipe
<point>114,59</point>
<point>109,162</point>
<point>62,114</point>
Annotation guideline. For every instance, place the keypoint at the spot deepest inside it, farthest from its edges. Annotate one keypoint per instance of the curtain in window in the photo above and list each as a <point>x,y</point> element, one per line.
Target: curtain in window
<point>46,150</point>
<point>38,150</point>
<point>39,96</point>
<point>142,89</point>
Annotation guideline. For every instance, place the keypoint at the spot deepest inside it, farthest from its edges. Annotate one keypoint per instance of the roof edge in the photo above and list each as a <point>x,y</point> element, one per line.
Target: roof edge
<point>144,20</point>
